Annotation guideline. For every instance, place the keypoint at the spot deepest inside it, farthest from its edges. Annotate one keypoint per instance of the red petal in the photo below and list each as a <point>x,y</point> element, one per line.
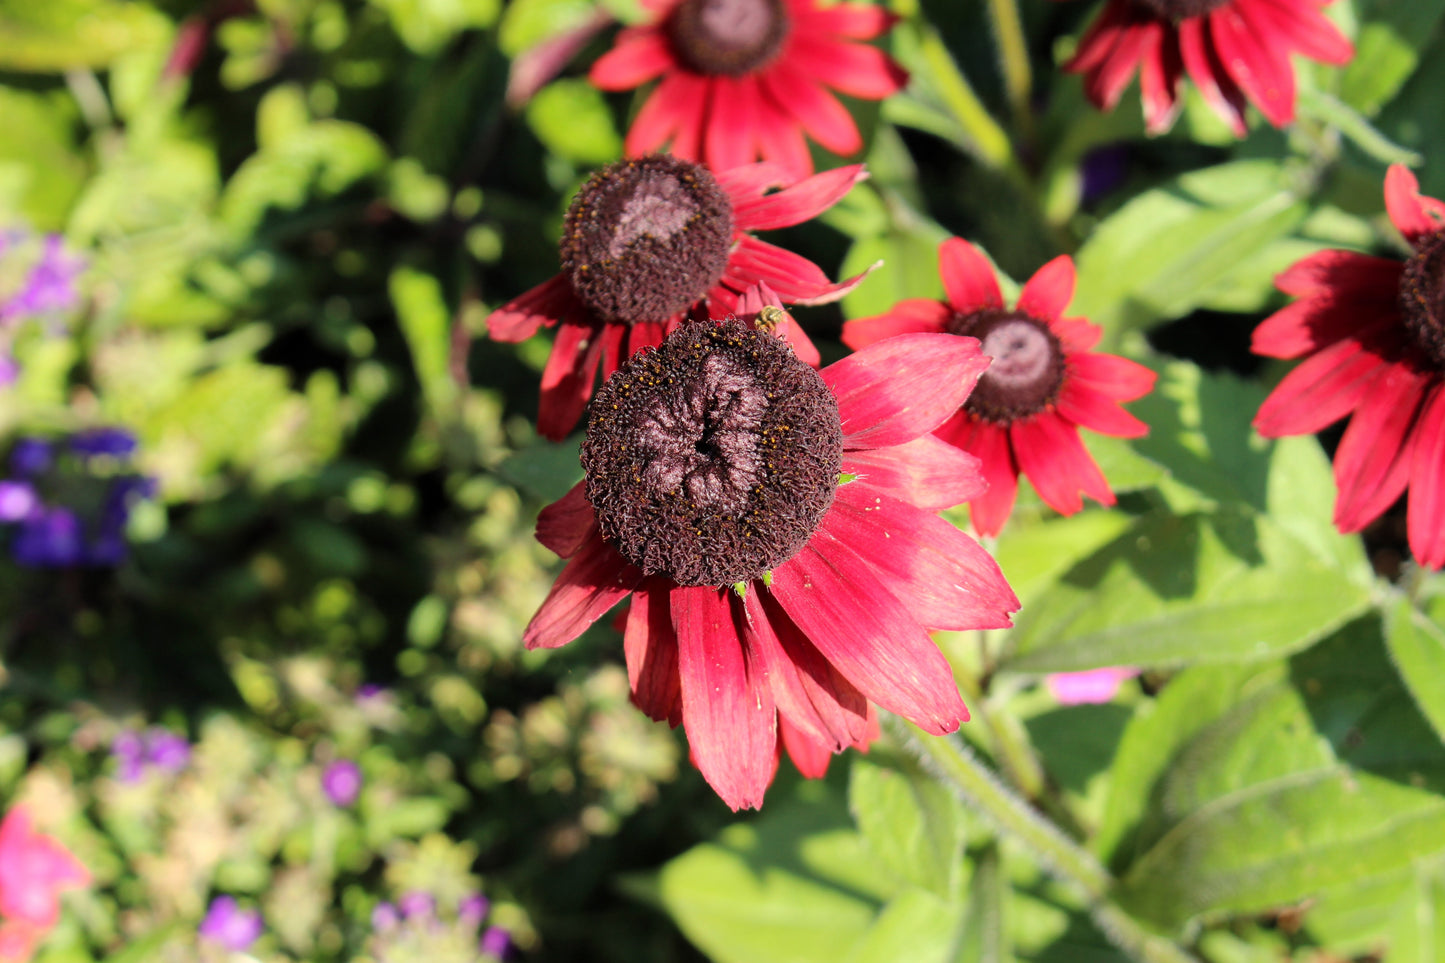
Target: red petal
<point>780,140</point>
<point>1076,335</point>
<point>1319,321</point>
<point>1112,376</point>
<point>1201,61</point>
<point>1050,453</point>
<point>639,56</point>
<point>802,201</point>
<point>696,107</point>
<point>568,378</point>
<point>1263,73</point>
<point>1321,391</point>
<point>810,757</point>
<point>856,21</point>
<point>747,184</point>
<point>650,647</point>
<point>1307,29</point>
<point>1341,273</point>
<point>990,445</point>
<point>914,316</point>
<point>852,68</point>
<point>1426,510</point>
<point>656,122</point>
<point>1372,464</point>
<point>1414,214</point>
<point>832,594</point>
<point>726,705</point>
<point>564,525</point>
<point>1101,37</point>
<point>943,577</point>
<point>968,277</point>
<point>596,579</point>
<point>1098,412</point>
<point>808,691</point>
<point>796,279</point>
<point>1131,42</point>
<point>732,122</point>
<point>547,303</point>
<point>895,390</point>
<point>1049,291</point>
<point>819,112</point>
<point>927,472</point>
<point>645,334</point>
<point>1159,74</point>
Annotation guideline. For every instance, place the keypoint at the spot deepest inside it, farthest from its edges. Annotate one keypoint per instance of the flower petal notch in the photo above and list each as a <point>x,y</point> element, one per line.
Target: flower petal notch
<point>769,608</point>
<point>1041,386</point>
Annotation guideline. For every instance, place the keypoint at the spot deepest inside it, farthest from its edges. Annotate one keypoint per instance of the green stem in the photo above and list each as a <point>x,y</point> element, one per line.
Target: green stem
<point>1013,55</point>
<point>988,140</point>
<point>952,761</point>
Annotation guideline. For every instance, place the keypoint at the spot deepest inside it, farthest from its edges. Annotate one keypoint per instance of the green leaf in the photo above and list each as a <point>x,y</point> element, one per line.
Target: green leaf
<point>61,35</point>
<point>545,470</point>
<point>570,118</point>
<point>1388,49</point>
<point>426,26</point>
<point>909,269</point>
<point>1179,590</point>
<point>985,937</point>
<point>40,169</point>
<point>1033,556</point>
<point>425,320</point>
<point>526,23</point>
<point>916,925</point>
<point>1417,645</point>
<point>1169,250</point>
<point>910,823</point>
<point>1307,781</point>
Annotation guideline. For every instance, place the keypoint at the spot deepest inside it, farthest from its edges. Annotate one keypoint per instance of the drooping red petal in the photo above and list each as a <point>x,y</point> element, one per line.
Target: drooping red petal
<point>697,106</point>
<point>1373,461</point>
<point>832,594</point>
<point>1316,322</point>
<point>1425,514</point>
<point>913,316</point>
<point>1098,412</point>
<point>673,111</point>
<point>781,141</point>
<point>968,277</point>
<point>639,56</point>
<point>754,299</point>
<point>855,69</point>
<point>568,378</point>
<point>1333,273</point>
<point>649,645</point>
<point>1049,291</point>
<point>941,575</point>
<point>1414,214</point>
<point>856,21</point>
<point>1101,36</point>
<point>927,472</point>
<point>815,109</point>
<point>1112,376</point>
<point>564,525</point>
<point>645,334</point>
<point>810,757</point>
<point>808,691</point>
<point>895,390</point>
<point>1306,28</point>
<point>990,445</point>
<point>798,202</point>
<point>614,340</point>
<point>1076,335</point>
<point>1320,391</point>
<point>546,304</point>
<point>1129,42</point>
<point>1159,74</point>
<point>1050,453</point>
<point>747,184</point>
<point>1262,72</point>
<point>1201,62</point>
<point>596,579</point>
<point>730,123</point>
<point>727,707</point>
<point>796,279</point>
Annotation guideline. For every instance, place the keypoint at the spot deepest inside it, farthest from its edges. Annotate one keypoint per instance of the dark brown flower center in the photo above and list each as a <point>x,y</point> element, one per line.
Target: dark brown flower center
<point>730,37</point>
<point>645,239</point>
<point>712,459</point>
<point>1027,369</point>
<point>1422,296</point>
<point>1177,10</point>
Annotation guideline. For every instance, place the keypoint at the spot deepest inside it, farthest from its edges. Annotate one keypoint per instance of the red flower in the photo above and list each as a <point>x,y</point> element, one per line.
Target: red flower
<point>1233,50</point>
<point>772,595</point>
<point>743,79</point>
<point>1043,385</point>
<point>34,868</point>
<point>1372,331</point>
<point>645,242</point>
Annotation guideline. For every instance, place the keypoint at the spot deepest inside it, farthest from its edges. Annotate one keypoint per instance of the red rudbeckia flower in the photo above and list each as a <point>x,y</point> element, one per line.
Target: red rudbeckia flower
<point>1372,331</point>
<point>1043,385</point>
<point>743,79</point>
<point>648,240</point>
<point>1233,50</point>
<point>774,526</point>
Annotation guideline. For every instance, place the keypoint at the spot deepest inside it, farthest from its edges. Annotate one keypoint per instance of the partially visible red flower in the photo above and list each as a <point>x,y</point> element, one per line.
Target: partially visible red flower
<point>1043,385</point>
<point>774,527</point>
<point>1372,333</point>
<point>744,79</point>
<point>646,242</point>
<point>34,869</point>
<point>1234,51</point>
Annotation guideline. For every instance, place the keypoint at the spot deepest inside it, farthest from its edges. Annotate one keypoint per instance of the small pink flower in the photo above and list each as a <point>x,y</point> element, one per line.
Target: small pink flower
<point>34,868</point>
<point>1088,687</point>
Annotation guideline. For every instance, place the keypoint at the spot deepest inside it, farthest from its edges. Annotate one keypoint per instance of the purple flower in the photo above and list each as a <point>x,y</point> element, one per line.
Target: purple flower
<point>473,909</point>
<point>369,691</point>
<point>50,285</point>
<point>385,918</point>
<point>496,941</point>
<point>167,750</point>
<point>234,928</point>
<point>417,905</point>
<point>31,457</point>
<point>17,500</point>
<point>1092,686</point>
<point>342,782</point>
<point>1103,171</point>
<point>116,442</point>
<point>48,537</point>
<point>128,750</point>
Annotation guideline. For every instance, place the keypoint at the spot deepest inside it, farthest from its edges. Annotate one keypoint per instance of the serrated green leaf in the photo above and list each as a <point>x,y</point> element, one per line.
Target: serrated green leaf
<point>61,35</point>
<point>1180,590</point>
<point>910,823</point>
<point>1417,646</point>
